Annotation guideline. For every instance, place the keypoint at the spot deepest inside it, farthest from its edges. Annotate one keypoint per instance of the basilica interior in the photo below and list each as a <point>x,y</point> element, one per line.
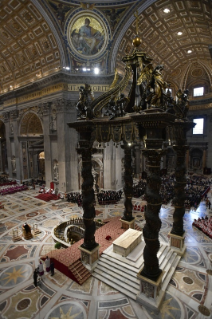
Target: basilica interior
<point>99,103</point>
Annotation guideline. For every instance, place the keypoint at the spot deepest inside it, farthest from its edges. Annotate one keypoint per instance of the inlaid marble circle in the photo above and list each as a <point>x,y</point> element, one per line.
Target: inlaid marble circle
<point>23,304</point>
<point>67,310</point>
<point>188,280</point>
<point>15,275</point>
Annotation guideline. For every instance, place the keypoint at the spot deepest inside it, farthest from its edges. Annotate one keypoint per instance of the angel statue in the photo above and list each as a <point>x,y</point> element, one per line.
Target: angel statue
<point>181,106</point>
<point>157,86</point>
<point>85,98</point>
<point>153,86</point>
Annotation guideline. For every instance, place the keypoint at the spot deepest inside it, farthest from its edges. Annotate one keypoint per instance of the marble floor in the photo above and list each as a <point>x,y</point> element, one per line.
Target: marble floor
<point>59,297</point>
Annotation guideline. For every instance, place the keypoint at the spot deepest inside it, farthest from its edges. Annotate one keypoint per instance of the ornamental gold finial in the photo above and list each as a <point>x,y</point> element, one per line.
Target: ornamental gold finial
<point>136,41</point>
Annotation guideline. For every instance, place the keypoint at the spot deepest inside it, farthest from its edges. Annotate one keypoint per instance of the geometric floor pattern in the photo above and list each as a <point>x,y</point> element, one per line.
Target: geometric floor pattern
<point>59,297</point>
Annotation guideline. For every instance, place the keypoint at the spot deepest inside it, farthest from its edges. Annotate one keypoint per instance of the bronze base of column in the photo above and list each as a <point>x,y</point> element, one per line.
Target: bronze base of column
<point>126,224</point>
<point>177,243</point>
<point>150,276</point>
<point>89,258</point>
<point>89,247</point>
<point>151,293</point>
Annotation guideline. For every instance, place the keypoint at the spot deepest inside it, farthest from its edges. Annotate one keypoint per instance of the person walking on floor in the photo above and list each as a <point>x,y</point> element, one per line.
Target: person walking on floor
<point>52,268</point>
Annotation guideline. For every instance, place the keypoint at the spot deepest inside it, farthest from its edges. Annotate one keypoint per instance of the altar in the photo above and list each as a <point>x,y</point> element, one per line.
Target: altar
<point>127,242</point>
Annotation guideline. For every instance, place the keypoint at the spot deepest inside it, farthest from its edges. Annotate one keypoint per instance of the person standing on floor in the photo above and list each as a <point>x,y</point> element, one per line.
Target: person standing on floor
<point>52,268</point>
<point>35,277</point>
<point>40,269</point>
<point>47,263</point>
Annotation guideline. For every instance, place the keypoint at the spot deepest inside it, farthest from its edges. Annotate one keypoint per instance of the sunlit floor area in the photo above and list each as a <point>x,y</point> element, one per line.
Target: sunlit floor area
<point>58,297</point>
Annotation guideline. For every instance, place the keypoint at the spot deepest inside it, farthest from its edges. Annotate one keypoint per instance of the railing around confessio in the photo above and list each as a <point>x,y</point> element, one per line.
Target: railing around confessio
<point>75,225</point>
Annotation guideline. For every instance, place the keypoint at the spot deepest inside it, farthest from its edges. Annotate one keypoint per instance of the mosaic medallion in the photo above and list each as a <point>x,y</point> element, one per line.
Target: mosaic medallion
<point>87,34</point>
<point>67,310</point>
<point>14,275</point>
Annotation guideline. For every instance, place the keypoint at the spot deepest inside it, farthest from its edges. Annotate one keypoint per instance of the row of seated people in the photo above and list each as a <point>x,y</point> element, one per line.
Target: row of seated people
<point>197,180</point>
<point>109,197</point>
<point>139,189</point>
<point>11,189</point>
<point>6,182</point>
<point>75,198</point>
<point>204,224</point>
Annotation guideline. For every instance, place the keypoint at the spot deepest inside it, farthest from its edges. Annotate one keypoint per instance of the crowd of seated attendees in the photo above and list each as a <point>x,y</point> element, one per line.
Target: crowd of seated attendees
<point>4,181</point>
<point>167,189</point>
<point>109,197</point>
<point>11,189</point>
<point>139,189</point>
<point>75,198</point>
<point>196,188</point>
<point>204,224</point>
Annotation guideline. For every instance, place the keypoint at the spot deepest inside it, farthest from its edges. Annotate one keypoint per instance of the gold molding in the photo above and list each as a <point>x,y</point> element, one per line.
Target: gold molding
<point>53,89</point>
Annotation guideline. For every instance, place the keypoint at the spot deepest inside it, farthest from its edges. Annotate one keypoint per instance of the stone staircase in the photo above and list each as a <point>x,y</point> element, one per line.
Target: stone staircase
<point>79,271</point>
<point>121,273</point>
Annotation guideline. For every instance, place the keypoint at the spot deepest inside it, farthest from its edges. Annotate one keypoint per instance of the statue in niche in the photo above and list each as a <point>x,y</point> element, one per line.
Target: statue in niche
<point>13,164</point>
<point>11,128</point>
<point>55,171</point>
<point>53,122</point>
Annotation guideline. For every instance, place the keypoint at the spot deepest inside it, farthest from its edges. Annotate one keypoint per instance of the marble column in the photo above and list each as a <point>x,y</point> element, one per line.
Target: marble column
<point>67,155</point>
<point>6,117</point>
<point>14,131</point>
<point>47,142</point>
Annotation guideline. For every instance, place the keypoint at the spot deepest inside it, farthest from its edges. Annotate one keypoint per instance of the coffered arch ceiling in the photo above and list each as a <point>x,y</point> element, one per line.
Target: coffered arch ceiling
<point>32,41</point>
<point>160,40</point>
<point>29,45</point>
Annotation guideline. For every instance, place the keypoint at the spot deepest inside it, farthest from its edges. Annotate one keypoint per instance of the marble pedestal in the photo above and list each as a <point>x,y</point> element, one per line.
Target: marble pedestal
<point>177,243</point>
<point>127,242</point>
<point>126,225</point>
<point>151,293</point>
<point>89,258</point>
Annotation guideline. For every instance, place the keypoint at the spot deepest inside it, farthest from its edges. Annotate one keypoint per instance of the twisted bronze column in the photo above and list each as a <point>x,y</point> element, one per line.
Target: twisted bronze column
<point>88,197</point>
<point>152,227</point>
<point>128,182</point>
<point>180,147</point>
<point>179,192</point>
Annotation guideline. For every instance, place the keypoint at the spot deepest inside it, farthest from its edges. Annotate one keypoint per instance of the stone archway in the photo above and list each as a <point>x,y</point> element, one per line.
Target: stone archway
<point>32,145</point>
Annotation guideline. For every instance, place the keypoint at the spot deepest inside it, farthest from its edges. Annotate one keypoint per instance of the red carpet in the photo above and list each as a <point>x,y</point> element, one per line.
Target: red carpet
<point>64,258</point>
<point>47,197</point>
